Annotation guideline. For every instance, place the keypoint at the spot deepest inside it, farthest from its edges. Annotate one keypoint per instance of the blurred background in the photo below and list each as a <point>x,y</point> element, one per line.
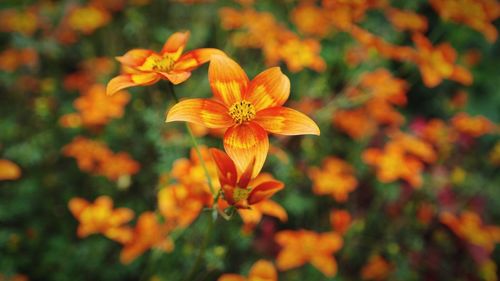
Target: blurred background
<point>405,170</point>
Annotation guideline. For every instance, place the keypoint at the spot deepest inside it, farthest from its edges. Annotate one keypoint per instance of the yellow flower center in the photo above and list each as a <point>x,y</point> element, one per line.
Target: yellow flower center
<point>162,64</point>
<point>242,111</point>
<point>240,194</point>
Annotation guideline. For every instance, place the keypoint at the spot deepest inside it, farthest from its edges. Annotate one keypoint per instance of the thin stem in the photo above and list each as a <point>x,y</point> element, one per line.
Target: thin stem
<point>201,253</point>
<point>196,148</point>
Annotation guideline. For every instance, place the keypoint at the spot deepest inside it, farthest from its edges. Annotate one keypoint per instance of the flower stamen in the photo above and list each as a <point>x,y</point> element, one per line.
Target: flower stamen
<point>242,111</point>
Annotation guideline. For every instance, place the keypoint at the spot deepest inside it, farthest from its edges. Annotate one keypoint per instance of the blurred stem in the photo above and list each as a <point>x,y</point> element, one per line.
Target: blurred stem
<point>203,247</point>
<point>196,147</point>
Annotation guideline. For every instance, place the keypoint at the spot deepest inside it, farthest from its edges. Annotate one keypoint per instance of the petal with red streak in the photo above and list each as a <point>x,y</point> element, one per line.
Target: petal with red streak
<point>225,167</point>
<point>245,142</point>
<point>176,77</point>
<point>175,44</point>
<point>227,79</point>
<point>270,88</point>
<point>208,113</point>
<point>135,57</point>
<point>195,58</point>
<point>130,80</point>
<point>286,121</point>
<point>264,191</point>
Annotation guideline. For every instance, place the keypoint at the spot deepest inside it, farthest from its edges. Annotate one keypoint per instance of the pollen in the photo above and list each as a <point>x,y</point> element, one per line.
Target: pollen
<point>242,111</point>
<point>162,64</point>
<point>240,194</point>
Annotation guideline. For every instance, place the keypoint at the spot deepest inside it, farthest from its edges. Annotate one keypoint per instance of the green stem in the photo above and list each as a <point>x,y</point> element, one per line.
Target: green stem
<point>201,253</point>
<point>196,147</point>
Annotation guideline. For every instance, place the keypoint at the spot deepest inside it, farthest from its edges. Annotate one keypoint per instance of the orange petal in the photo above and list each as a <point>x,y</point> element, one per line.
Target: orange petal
<point>329,242</point>
<point>177,77</point>
<point>9,170</point>
<point>77,205</point>
<point>268,89</point>
<point>135,57</point>
<point>227,80</point>
<point>246,176</point>
<point>245,142</point>
<point>326,264</point>
<point>288,259</point>
<point>286,121</point>
<point>130,80</point>
<point>195,58</point>
<point>175,44</point>
<point>263,270</point>
<point>121,216</point>
<point>264,191</point>
<point>273,209</point>
<point>231,277</point>
<point>226,168</point>
<point>208,113</point>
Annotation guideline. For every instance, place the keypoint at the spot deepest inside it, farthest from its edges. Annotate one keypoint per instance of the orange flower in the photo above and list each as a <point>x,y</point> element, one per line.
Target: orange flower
<point>251,217</point>
<point>478,14</point>
<point>100,217</point>
<point>87,19</point>
<point>311,20</point>
<point>474,126</point>
<point>96,109</point>
<point>340,220</point>
<point>247,109</point>
<point>148,233</point>
<point>238,188</point>
<point>299,54</point>
<point>262,270</point>
<point>406,20</point>
<point>303,246</point>
<point>392,163</point>
<point>357,123</point>
<point>12,59</point>
<point>438,63</point>
<point>9,170</point>
<point>88,153</point>
<point>471,228</point>
<point>190,173</point>
<point>145,67</point>
<point>118,165</point>
<point>23,21</point>
<point>335,178</point>
<point>178,205</point>
<point>377,269</point>
<point>96,157</point>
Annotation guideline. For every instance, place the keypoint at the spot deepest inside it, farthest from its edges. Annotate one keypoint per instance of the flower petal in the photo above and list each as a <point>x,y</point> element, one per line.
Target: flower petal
<point>246,176</point>
<point>263,270</point>
<point>231,277</point>
<point>288,259</point>
<point>273,209</point>
<point>264,191</point>
<point>135,57</point>
<point>245,142</point>
<point>9,170</point>
<point>225,167</point>
<point>268,89</point>
<point>195,58</point>
<point>176,77</point>
<point>326,264</point>
<point>76,205</point>
<point>208,113</point>
<point>175,44</point>
<point>130,80</point>
<point>227,79</point>
<point>286,121</point>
